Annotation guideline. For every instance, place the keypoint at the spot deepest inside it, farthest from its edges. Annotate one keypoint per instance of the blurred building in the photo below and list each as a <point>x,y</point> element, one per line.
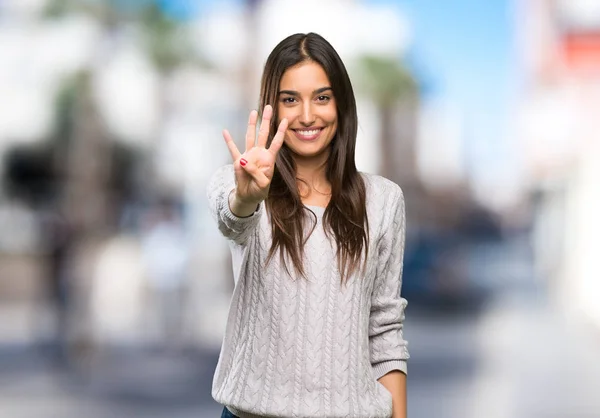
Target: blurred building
<point>560,132</point>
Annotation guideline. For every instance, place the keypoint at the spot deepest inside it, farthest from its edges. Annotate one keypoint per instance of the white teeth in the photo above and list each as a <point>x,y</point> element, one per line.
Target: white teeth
<point>309,133</point>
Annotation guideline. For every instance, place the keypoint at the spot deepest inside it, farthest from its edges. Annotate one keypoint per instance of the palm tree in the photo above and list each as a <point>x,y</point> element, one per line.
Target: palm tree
<point>161,37</point>
<point>166,44</point>
<point>394,91</point>
<point>83,145</point>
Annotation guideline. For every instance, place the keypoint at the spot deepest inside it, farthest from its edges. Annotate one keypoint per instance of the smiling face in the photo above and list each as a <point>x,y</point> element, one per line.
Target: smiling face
<point>306,100</point>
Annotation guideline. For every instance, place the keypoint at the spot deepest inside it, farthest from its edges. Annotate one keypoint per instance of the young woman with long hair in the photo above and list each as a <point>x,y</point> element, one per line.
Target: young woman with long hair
<point>316,317</point>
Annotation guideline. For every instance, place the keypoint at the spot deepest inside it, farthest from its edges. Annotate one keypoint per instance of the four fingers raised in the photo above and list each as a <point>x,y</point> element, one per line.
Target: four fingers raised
<point>274,148</point>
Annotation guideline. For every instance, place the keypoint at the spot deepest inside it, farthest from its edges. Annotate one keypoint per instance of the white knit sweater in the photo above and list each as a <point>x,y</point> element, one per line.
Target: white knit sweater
<point>311,348</point>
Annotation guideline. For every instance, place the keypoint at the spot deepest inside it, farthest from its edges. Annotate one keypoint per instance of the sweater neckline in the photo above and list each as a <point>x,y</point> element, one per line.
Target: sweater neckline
<point>318,210</point>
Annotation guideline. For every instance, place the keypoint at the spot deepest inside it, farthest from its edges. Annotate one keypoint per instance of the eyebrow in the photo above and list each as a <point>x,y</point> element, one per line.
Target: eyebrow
<point>295,93</point>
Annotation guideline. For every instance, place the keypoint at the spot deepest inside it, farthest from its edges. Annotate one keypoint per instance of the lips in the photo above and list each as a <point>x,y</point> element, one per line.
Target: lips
<point>307,134</point>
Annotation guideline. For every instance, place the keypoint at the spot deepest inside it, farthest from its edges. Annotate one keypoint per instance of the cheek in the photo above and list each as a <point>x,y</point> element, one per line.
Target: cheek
<point>334,126</point>
<point>330,115</point>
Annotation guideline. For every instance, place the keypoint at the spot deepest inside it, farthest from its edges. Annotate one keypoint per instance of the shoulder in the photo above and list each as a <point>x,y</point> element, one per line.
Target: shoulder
<point>385,204</point>
<point>382,192</point>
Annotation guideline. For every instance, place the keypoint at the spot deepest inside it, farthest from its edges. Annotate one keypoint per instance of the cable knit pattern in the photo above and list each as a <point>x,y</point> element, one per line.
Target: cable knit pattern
<point>296,347</point>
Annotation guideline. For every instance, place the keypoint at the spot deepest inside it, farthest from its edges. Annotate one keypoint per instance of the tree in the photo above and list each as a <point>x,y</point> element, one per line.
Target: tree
<point>394,91</point>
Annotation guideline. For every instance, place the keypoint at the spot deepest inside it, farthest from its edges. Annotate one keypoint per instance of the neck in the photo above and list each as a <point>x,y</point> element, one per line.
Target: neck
<point>312,171</point>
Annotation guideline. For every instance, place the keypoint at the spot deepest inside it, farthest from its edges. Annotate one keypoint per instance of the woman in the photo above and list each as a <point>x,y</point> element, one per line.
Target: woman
<point>315,323</point>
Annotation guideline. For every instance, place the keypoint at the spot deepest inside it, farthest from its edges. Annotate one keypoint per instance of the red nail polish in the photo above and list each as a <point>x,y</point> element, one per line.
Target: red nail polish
<point>243,162</point>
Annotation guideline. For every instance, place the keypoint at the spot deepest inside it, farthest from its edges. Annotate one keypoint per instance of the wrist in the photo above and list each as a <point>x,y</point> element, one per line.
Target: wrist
<point>240,207</point>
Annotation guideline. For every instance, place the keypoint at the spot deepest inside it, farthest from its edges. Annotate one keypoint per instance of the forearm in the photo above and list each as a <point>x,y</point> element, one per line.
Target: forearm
<point>395,383</point>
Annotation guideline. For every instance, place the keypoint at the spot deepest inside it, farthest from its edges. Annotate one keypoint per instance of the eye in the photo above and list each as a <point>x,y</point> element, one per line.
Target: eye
<point>288,100</point>
<point>323,98</point>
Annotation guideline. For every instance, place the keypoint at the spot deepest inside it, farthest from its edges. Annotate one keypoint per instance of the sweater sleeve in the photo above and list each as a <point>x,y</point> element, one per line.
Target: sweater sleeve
<point>388,349</point>
<point>234,228</point>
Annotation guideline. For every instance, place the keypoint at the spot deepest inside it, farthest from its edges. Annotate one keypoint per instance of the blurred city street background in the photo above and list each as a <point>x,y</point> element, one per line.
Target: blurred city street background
<point>115,283</point>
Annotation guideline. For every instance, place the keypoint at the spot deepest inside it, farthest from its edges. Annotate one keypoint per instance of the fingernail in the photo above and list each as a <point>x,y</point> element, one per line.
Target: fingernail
<point>243,162</point>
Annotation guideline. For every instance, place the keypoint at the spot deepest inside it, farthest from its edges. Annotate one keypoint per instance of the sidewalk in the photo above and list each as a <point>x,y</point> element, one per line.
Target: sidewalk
<point>140,384</point>
<point>521,358</point>
<point>536,364</point>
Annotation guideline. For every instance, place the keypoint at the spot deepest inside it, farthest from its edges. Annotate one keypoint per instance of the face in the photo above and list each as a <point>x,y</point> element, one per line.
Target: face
<point>306,100</point>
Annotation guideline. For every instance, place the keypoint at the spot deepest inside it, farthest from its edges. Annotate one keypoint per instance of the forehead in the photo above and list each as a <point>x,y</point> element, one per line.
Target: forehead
<point>304,77</point>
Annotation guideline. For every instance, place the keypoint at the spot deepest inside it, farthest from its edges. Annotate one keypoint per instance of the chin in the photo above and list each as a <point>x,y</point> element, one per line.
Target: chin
<point>307,151</point>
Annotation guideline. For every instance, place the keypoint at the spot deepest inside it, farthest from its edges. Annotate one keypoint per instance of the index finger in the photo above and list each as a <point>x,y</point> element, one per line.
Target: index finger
<point>251,130</point>
<point>277,141</point>
<point>265,126</point>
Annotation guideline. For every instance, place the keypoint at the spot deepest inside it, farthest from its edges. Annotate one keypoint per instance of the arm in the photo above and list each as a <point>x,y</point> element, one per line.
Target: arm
<point>388,349</point>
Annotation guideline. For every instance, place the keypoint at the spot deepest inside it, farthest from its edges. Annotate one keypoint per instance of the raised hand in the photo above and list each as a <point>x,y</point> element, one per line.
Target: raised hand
<point>254,168</point>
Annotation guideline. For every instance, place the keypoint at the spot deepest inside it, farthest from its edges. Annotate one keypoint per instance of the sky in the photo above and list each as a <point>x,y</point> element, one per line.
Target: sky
<point>466,44</point>
<point>466,50</point>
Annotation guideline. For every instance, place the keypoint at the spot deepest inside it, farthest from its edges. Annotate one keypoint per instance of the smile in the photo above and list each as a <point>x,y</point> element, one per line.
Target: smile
<point>307,134</point>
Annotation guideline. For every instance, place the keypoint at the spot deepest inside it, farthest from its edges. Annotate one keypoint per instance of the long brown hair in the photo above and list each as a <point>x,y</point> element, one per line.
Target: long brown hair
<point>346,214</point>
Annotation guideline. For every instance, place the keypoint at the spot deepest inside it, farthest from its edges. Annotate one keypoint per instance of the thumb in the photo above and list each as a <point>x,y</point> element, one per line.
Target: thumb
<point>257,175</point>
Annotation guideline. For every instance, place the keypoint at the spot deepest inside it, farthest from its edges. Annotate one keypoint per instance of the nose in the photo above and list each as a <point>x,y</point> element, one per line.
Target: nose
<point>307,118</point>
